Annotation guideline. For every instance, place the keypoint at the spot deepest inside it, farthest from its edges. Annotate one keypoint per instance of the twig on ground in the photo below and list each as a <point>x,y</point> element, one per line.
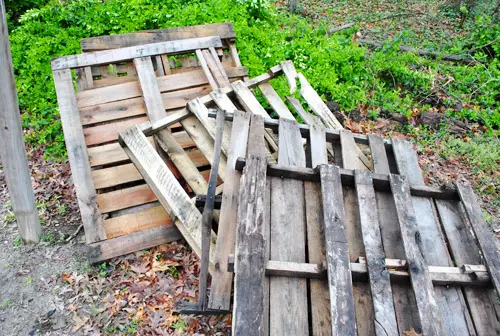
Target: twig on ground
<point>74,233</point>
<point>336,29</point>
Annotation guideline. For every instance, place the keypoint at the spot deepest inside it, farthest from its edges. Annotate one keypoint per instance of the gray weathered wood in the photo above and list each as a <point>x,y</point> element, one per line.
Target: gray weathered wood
<point>290,74</point>
<point>484,236</point>
<point>380,285</point>
<point>124,54</point>
<point>251,258</point>
<point>430,316</point>
<point>288,296</point>
<point>379,156</point>
<point>12,150</point>
<point>432,244</point>
<point>206,70</point>
<point>78,157</point>
<point>220,293</point>
<point>275,101</point>
<point>342,311</point>
<point>216,69</point>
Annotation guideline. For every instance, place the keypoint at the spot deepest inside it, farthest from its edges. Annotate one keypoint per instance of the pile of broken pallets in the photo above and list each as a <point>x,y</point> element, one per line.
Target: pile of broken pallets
<point>321,231</point>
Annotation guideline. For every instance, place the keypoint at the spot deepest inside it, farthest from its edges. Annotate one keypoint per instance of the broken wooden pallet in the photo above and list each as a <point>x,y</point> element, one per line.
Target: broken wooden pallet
<point>446,300</point>
<point>125,214</point>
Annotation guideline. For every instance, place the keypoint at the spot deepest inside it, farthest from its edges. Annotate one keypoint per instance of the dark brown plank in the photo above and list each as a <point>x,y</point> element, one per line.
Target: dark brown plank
<point>342,309</point>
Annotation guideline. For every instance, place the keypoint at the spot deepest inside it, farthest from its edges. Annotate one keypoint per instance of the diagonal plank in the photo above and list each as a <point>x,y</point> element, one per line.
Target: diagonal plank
<point>165,186</point>
<point>380,284</point>
<point>342,312</point>
<point>275,101</point>
<point>220,294</point>
<point>430,316</point>
<point>251,258</point>
<point>288,238</point>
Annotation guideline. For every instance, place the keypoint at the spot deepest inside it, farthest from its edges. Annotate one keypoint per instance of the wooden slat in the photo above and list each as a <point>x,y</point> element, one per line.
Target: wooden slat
<point>320,303</point>
<point>97,135</point>
<point>224,30</point>
<point>290,74</point>
<point>380,284</point>
<point>165,139</point>
<point>432,242</point>
<point>248,100</point>
<point>137,221</point>
<point>123,54</point>
<point>363,301</point>
<point>288,296</point>
<point>223,101</point>
<point>275,101</point>
<point>404,299</point>
<point>125,198</point>
<point>113,176</point>
<point>342,309</point>
<point>483,234</point>
<point>430,316</point>
<point>213,64</point>
<point>250,252</point>
<point>78,158</point>
<point>208,74</point>
<point>220,294</point>
<point>133,242</point>
<point>164,185</point>
<point>463,246</point>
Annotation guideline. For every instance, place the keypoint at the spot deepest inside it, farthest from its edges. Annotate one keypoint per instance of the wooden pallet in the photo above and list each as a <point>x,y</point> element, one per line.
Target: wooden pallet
<point>117,90</point>
<point>284,241</point>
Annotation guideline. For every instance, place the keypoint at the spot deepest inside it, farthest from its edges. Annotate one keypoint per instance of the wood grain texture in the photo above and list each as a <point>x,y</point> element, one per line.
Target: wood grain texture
<point>380,285</point>
<point>275,101</point>
<point>220,294</point>
<point>430,316</point>
<point>78,157</point>
<point>337,257</point>
<point>431,243</point>
<point>288,296</point>
<point>123,54</point>
<point>208,74</point>
<point>125,198</point>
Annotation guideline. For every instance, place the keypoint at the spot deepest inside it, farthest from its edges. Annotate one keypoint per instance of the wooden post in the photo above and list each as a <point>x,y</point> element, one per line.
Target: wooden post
<point>12,151</point>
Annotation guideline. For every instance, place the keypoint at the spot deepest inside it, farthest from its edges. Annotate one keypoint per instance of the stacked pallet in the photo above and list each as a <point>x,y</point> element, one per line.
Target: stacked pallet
<point>321,231</point>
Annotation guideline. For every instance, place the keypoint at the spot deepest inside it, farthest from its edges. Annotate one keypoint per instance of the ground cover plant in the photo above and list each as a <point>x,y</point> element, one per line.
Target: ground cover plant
<point>379,90</point>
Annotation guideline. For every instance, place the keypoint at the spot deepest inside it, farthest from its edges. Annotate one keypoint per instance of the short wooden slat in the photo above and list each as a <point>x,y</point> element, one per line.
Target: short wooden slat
<point>337,257</point>
<point>250,252</point>
<point>109,132</point>
<point>248,100</point>
<point>430,316</point>
<point>223,101</point>
<point>482,233</point>
<point>165,186</point>
<point>432,244</point>
<point>114,176</point>
<point>220,294</point>
<point>216,69</point>
<point>379,156</point>
<point>137,221</point>
<point>78,158</point>
<point>290,74</point>
<point>125,198</point>
<point>123,54</point>
<point>224,30</point>
<point>275,101</point>
<point>133,242</point>
<point>206,70</point>
<point>288,296</point>
<point>379,277</point>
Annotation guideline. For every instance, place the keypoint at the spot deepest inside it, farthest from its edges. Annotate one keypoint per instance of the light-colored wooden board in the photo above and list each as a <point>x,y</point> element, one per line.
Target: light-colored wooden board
<point>101,134</point>
<point>78,158</point>
<point>125,198</point>
<point>275,101</point>
<point>114,176</point>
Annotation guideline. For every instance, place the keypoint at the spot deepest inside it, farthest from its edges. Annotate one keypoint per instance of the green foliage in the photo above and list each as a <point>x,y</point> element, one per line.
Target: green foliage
<point>338,68</point>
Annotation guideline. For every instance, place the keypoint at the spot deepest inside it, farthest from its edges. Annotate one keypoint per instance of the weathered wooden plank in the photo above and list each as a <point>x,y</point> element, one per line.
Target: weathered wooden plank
<point>430,316</point>
<point>432,244</point>
<point>136,221</point>
<point>114,176</point>
<point>290,74</point>
<point>404,299</point>
<point>342,309</point>
<point>106,133</point>
<point>288,238</point>
<point>168,190</point>
<point>216,69</point>
<point>220,294</point>
<point>223,101</point>
<point>248,100</point>
<point>275,101</point>
<point>363,302</point>
<point>136,241</point>
<point>155,109</point>
<point>482,233</point>
<point>380,284</point>
<point>464,249</point>
<point>206,70</point>
<point>78,158</point>
<point>320,300</point>
<point>224,30</point>
<point>123,54</point>
<point>250,252</point>
<point>125,198</point>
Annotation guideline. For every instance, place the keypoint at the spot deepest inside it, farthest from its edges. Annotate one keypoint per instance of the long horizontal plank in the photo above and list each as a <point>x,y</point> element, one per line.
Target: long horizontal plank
<point>137,221</point>
<point>224,30</point>
<point>110,248</point>
<point>109,132</point>
<point>440,275</point>
<point>124,54</point>
<point>168,83</point>
<point>380,181</point>
<point>125,198</point>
